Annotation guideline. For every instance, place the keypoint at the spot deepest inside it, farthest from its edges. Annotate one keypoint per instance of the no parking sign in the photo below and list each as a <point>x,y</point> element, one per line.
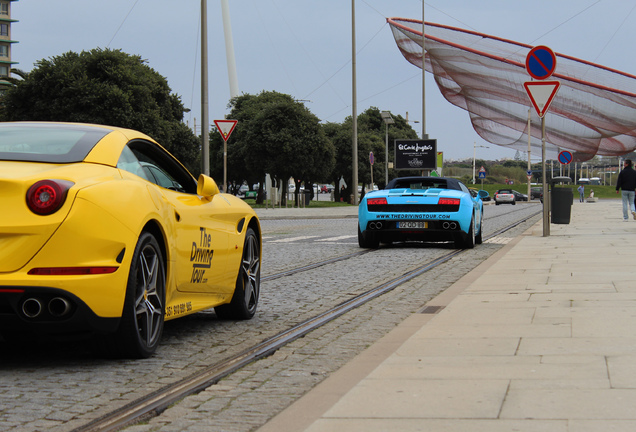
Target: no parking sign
<point>565,157</point>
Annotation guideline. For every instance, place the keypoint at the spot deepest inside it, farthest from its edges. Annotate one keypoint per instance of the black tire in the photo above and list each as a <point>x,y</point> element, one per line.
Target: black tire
<point>514,202</point>
<point>367,240</point>
<point>248,283</point>
<point>467,241</point>
<point>479,237</point>
<point>142,319</point>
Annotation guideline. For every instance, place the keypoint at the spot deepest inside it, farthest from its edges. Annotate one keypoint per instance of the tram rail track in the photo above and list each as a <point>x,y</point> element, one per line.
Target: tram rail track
<point>154,403</point>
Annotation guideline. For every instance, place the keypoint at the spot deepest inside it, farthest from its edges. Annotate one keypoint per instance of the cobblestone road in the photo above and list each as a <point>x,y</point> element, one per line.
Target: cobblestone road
<point>59,387</point>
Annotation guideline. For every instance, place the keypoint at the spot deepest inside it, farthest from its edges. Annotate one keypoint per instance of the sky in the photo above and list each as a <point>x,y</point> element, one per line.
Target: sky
<point>304,48</point>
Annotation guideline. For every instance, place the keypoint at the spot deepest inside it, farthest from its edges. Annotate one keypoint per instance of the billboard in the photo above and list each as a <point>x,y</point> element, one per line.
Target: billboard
<point>415,154</point>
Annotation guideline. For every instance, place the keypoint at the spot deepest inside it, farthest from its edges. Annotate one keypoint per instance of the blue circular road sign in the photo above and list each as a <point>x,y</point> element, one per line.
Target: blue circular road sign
<point>565,157</point>
<point>540,62</point>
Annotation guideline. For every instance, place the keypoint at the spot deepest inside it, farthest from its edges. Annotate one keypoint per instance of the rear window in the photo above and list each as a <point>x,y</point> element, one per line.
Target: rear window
<point>505,191</point>
<point>416,184</point>
<point>53,143</point>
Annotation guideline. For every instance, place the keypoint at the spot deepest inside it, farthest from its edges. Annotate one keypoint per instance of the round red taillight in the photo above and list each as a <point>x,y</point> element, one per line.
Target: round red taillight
<point>47,196</point>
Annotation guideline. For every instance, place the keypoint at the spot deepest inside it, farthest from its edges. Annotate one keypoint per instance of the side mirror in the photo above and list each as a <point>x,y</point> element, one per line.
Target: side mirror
<point>206,187</point>
<point>483,194</point>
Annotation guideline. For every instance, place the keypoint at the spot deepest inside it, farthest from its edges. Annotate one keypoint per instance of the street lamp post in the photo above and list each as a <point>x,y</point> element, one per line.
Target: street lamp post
<point>474,157</point>
<point>387,119</point>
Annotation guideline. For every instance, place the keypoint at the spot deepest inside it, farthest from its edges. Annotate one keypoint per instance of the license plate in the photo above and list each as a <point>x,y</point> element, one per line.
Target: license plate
<point>406,225</point>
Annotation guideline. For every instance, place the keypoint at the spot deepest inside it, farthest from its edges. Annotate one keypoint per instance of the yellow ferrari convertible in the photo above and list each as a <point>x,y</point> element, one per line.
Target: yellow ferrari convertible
<point>104,233</point>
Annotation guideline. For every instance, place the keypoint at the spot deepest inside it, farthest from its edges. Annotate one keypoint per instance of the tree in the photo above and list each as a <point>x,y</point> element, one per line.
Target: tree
<point>106,87</point>
<point>279,136</point>
<point>371,137</point>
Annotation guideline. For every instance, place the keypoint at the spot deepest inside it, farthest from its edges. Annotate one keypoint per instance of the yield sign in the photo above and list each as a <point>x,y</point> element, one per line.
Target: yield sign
<point>541,94</point>
<point>225,127</point>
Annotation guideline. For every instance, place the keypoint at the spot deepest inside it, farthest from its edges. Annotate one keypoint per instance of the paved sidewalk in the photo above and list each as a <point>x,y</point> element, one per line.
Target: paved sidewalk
<point>540,337</point>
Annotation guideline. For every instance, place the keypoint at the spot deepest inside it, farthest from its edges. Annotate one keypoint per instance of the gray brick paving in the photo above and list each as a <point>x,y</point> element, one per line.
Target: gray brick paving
<point>59,387</point>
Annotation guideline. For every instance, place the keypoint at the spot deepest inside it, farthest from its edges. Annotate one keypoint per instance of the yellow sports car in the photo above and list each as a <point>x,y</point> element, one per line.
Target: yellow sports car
<point>103,232</point>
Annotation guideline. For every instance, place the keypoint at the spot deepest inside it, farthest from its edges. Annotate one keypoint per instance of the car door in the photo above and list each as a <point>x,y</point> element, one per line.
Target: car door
<point>199,232</point>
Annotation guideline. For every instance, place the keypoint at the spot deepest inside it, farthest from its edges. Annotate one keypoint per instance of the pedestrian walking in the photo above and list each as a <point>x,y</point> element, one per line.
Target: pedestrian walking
<point>626,183</point>
<point>581,190</point>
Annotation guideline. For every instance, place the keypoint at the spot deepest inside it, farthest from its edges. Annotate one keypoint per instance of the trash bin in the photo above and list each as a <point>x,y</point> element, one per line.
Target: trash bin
<point>307,194</point>
<point>561,200</point>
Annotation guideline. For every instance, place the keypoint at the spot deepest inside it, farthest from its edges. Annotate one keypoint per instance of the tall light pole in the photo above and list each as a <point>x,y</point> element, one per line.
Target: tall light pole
<point>474,156</point>
<point>205,121</point>
<point>387,119</point>
<point>354,104</point>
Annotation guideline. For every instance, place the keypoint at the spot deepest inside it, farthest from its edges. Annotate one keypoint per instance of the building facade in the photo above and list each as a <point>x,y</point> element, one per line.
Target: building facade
<point>5,43</point>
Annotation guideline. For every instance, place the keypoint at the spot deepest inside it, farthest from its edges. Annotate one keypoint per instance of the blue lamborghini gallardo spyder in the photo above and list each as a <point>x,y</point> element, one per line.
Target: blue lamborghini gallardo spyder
<point>428,209</point>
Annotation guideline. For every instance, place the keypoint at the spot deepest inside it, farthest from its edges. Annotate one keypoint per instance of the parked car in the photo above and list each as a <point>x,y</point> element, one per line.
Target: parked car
<point>536,192</point>
<point>106,234</point>
<point>421,209</point>
<point>505,196</point>
<point>520,196</point>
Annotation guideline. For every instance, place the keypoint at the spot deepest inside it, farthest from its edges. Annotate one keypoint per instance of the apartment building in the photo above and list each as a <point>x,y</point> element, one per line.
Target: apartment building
<point>5,42</point>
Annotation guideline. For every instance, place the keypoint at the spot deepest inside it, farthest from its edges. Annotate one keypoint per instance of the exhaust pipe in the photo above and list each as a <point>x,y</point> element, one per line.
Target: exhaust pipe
<point>378,225</point>
<point>445,225</point>
<point>59,306</point>
<point>453,225</point>
<point>32,307</point>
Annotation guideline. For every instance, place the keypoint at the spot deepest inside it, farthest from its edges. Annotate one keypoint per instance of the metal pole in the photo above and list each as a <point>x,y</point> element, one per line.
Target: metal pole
<point>229,49</point>
<point>205,120</point>
<point>424,134</point>
<point>354,113</point>
<point>474,155</point>
<point>546,195</point>
<point>386,156</point>
<point>529,160</point>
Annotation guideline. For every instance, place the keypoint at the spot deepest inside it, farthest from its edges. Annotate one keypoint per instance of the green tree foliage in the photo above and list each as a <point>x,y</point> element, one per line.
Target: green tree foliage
<point>279,136</point>
<point>371,137</point>
<point>106,87</point>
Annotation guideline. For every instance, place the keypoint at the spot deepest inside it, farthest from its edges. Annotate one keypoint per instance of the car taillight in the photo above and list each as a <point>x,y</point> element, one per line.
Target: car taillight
<point>448,201</point>
<point>47,196</point>
<point>376,201</point>
<point>71,271</point>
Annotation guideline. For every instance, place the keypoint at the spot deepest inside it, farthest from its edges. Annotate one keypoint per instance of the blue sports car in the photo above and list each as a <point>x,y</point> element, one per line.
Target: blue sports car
<point>421,209</point>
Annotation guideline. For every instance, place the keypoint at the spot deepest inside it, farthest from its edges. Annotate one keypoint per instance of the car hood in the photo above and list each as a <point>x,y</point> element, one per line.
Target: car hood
<point>22,232</point>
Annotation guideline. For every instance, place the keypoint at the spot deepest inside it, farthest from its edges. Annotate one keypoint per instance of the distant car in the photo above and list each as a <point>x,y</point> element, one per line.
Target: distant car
<point>520,196</point>
<point>421,209</point>
<point>505,196</point>
<point>327,188</point>
<point>106,234</point>
<point>536,192</point>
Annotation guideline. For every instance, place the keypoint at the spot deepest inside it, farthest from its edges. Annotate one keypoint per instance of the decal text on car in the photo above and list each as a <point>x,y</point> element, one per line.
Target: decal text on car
<point>413,216</point>
<point>201,257</point>
<point>178,309</point>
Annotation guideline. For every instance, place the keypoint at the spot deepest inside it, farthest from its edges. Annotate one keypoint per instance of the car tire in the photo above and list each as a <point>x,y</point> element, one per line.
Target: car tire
<point>142,320</point>
<point>514,202</point>
<point>479,236</point>
<point>248,283</point>
<point>367,240</point>
<point>496,203</point>
<point>467,241</point>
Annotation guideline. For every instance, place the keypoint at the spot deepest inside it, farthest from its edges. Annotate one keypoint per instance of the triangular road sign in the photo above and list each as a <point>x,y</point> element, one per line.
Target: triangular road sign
<point>225,127</point>
<point>541,94</point>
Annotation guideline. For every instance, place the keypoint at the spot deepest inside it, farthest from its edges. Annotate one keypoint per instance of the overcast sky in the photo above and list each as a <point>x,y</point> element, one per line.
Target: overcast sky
<point>303,48</point>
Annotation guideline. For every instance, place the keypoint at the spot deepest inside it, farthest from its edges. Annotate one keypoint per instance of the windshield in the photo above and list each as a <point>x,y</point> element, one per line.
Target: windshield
<point>53,143</point>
